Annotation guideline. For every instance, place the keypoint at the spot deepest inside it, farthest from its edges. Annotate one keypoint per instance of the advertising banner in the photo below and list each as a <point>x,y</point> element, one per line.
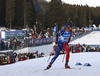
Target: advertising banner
<point>0,34</point>
<point>39,41</point>
<point>16,34</point>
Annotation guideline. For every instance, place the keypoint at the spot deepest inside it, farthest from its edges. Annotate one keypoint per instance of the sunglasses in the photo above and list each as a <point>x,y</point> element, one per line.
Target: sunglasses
<point>68,28</point>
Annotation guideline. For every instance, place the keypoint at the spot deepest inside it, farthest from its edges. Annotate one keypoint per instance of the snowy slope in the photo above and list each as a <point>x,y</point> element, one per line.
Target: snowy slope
<point>90,39</point>
<point>44,48</point>
<point>34,67</point>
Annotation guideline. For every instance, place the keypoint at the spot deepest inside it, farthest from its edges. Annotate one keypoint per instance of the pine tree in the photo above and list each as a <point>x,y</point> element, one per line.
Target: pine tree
<point>10,12</point>
<point>19,17</point>
<point>42,15</point>
<point>29,13</point>
<point>40,21</point>
<point>2,13</point>
<point>55,13</point>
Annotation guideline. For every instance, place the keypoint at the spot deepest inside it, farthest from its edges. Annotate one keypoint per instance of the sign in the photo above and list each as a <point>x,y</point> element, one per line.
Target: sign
<point>40,41</point>
<point>16,34</point>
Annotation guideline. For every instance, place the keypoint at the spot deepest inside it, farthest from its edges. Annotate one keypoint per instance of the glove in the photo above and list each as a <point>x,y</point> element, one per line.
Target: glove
<point>56,42</point>
<point>50,54</point>
<point>69,40</point>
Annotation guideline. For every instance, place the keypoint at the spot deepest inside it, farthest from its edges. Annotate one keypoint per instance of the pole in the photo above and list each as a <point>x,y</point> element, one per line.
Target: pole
<point>51,52</point>
<point>63,56</point>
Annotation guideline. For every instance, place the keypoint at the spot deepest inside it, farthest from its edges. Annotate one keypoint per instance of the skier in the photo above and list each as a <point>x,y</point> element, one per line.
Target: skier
<point>62,39</point>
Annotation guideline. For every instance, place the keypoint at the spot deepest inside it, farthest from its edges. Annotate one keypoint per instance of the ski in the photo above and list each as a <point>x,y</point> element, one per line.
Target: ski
<point>68,68</point>
<point>73,68</point>
<point>45,69</point>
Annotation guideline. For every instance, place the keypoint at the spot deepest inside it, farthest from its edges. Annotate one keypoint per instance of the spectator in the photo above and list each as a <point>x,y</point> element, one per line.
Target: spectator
<point>37,55</point>
<point>33,55</point>
<point>24,57</point>
<point>1,60</point>
<point>12,58</point>
<point>78,50</point>
<point>42,55</point>
<point>5,60</point>
<point>17,58</point>
<point>8,59</point>
<point>30,55</point>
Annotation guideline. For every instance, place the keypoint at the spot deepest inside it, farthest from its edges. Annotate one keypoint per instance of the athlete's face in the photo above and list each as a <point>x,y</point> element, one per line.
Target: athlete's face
<point>67,29</point>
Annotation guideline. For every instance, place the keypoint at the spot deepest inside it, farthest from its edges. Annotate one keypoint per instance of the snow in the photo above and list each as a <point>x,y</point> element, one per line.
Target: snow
<point>44,48</point>
<point>91,3</point>
<point>90,39</point>
<point>24,50</point>
<point>34,67</point>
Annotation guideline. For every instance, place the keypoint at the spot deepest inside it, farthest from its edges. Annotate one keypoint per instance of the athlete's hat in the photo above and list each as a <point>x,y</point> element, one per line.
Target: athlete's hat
<point>67,25</point>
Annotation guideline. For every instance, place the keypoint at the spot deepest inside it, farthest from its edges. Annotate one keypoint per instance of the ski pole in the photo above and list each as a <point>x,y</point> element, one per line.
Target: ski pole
<point>63,56</point>
<point>51,53</point>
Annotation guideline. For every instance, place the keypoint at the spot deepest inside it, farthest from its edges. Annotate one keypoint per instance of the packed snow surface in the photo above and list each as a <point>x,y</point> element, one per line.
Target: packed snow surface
<point>34,67</point>
<point>92,38</point>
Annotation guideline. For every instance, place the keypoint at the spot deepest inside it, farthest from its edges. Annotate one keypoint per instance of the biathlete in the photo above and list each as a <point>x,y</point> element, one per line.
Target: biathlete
<point>62,39</point>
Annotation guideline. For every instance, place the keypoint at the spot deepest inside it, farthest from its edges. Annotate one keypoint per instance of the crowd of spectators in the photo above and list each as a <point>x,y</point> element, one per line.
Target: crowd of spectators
<point>12,58</point>
<point>41,35</point>
<point>49,33</point>
<point>79,32</point>
<point>80,48</point>
<point>14,44</point>
<point>84,48</point>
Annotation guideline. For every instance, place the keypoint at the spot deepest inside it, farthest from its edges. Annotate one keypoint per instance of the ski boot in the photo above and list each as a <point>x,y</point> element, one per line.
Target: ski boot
<point>49,66</point>
<point>66,65</point>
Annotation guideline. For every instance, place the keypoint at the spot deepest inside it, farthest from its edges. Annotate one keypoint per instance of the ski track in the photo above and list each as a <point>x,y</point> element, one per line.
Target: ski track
<point>35,67</point>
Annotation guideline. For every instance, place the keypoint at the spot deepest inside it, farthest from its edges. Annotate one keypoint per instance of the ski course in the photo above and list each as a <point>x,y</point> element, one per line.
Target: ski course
<point>34,67</point>
<point>92,38</point>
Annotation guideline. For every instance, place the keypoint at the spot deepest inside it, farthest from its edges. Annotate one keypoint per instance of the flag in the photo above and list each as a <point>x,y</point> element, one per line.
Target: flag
<point>94,26</point>
<point>54,30</point>
<point>35,27</point>
<point>69,18</point>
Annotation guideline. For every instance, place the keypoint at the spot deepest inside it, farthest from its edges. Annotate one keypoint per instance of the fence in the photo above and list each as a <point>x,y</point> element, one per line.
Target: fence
<point>36,41</point>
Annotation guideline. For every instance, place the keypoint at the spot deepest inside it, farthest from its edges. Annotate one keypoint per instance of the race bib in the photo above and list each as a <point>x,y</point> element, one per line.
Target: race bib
<point>64,38</point>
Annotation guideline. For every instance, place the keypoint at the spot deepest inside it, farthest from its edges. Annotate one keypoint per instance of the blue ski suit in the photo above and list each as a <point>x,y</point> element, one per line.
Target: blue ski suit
<point>64,38</point>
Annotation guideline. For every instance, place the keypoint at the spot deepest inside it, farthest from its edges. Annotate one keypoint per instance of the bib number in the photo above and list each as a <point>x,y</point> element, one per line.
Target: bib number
<point>65,39</point>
